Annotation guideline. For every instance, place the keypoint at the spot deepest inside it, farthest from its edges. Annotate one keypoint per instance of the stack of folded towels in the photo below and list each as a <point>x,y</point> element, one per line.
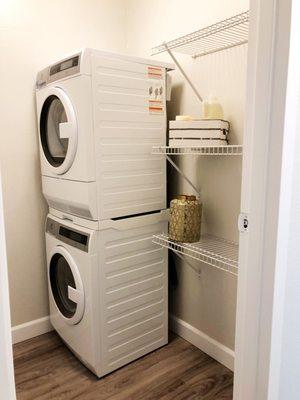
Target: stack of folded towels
<point>198,133</point>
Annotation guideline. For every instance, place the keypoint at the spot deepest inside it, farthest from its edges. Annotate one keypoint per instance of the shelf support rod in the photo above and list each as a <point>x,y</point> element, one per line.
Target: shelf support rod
<point>182,174</point>
<point>181,256</point>
<point>176,62</point>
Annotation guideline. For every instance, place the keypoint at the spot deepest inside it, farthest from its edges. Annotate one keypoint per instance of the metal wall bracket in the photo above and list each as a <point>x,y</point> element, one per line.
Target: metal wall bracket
<point>176,62</point>
<point>182,174</point>
<point>181,256</point>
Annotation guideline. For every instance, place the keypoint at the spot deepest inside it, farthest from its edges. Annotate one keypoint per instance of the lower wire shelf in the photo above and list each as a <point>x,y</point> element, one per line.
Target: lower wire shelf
<point>229,150</point>
<point>217,252</point>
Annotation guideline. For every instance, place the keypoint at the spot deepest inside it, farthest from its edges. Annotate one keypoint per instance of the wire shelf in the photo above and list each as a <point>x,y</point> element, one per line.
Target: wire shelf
<point>223,35</point>
<point>229,150</point>
<point>217,252</point>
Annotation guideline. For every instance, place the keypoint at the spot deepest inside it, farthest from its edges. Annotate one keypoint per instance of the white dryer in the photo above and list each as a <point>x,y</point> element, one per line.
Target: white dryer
<point>99,114</point>
<point>108,288</point>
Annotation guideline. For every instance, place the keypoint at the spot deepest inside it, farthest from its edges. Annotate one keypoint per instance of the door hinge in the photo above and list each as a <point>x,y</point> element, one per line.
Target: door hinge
<point>243,222</point>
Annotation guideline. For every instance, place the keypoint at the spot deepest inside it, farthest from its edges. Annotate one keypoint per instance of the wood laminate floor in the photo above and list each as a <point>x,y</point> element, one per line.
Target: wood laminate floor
<point>46,370</point>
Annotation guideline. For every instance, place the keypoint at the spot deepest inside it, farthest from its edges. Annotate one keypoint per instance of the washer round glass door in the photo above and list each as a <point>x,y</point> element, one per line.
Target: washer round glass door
<point>66,286</point>
<point>58,130</point>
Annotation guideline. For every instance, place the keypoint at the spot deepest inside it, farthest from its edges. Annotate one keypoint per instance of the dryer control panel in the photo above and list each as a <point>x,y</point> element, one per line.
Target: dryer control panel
<point>72,237</point>
<point>67,67</point>
<point>64,68</point>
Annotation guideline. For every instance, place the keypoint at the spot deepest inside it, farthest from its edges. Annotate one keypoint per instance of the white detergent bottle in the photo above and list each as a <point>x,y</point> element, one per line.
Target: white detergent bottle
<point>212,109</point>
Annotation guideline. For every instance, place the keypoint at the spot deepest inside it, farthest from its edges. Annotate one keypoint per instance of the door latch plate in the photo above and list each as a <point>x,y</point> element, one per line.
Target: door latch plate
<point>243,222</point>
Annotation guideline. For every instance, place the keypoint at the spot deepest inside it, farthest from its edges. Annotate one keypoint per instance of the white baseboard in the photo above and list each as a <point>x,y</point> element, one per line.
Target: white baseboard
<point>204,342</point>
<point>31,329</point>
<point>193,335</point>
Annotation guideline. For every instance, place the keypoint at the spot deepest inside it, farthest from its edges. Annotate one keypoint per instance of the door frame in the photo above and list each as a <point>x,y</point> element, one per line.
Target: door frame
<point>7,380</point>
<point>265,132</point>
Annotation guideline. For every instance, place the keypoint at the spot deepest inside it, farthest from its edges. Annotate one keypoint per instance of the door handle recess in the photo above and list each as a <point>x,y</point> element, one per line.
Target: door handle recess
<point>65,130</point>
<point>74,294</point>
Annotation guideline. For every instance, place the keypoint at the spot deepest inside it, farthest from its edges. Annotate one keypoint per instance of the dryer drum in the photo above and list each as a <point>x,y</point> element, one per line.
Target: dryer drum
<point>53,114</point>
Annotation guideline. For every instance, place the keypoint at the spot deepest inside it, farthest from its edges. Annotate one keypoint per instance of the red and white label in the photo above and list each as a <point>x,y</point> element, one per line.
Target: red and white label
<point>155,72</point>
<point>156,107</point>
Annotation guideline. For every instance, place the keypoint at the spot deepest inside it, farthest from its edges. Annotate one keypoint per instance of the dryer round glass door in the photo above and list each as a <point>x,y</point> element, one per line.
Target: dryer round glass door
<point>66,286</point>
<point>58,130</point>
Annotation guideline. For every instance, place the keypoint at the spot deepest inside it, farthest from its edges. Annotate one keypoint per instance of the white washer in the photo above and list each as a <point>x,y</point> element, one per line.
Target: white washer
<point>99,114</point>
<point>108,288</point>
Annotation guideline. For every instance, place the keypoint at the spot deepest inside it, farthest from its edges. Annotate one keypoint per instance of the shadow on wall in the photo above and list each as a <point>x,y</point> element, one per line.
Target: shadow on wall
<point>173,106</point>
<point>173,109</point>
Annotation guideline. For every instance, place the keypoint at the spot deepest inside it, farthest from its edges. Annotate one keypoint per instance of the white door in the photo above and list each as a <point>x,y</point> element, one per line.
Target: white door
<point>58,130</point>
<point>66,285</point>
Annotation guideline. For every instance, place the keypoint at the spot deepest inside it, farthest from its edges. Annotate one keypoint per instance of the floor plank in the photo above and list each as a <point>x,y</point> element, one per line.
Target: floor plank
<point>46,370</point>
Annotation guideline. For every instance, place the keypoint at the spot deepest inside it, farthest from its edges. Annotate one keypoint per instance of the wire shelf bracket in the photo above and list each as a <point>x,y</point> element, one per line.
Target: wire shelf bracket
<point>184,74</point>
<point>216,252</point>
<point>229,150</point>
<point>174,165</point>
<point>223,35</point>
<point>184,258</point>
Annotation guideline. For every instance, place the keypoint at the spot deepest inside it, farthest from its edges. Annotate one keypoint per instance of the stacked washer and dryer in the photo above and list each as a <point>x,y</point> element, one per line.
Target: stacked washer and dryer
<point>99,115</point>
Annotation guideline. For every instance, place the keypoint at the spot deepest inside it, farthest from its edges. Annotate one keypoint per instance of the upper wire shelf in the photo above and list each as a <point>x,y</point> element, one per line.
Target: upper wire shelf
<point>228,150</point>
<point>223,35</point>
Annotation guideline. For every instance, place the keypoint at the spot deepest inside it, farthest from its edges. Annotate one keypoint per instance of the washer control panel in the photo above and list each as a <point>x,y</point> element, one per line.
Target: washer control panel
<point>72,237</point>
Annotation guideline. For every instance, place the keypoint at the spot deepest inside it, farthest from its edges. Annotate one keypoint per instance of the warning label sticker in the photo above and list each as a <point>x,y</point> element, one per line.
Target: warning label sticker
<point>156,107</point>
<point>155,72</point>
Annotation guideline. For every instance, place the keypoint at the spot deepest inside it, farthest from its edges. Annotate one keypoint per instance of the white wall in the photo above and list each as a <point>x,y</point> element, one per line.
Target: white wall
<point>208,303</point>
<point>34,33</point>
